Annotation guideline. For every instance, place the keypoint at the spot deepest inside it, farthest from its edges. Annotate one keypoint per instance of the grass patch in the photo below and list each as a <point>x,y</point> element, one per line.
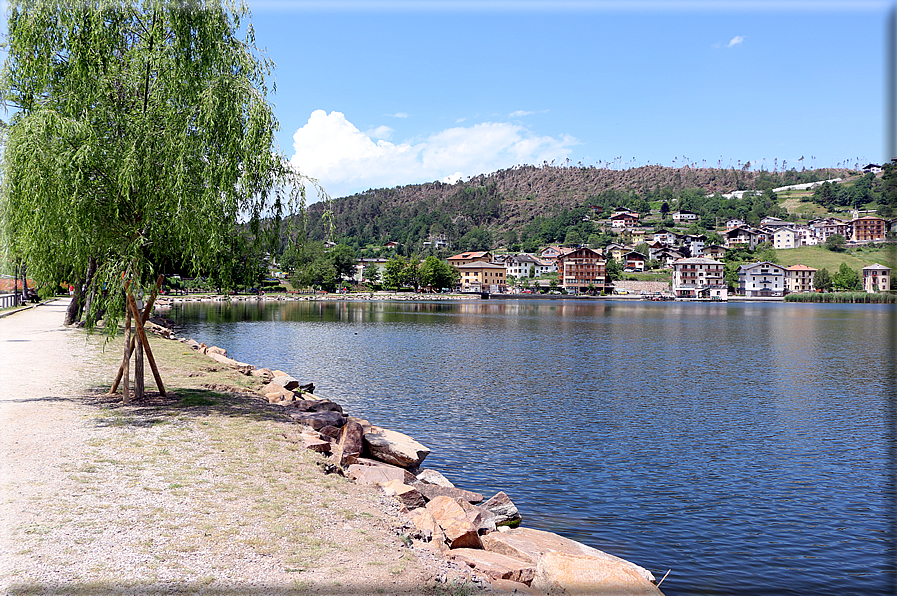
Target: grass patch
<point>820,256</point>
<point>195,398</point>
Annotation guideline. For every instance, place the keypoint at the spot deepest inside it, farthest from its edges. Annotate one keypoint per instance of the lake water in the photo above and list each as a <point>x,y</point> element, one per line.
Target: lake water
<point>749,447</point>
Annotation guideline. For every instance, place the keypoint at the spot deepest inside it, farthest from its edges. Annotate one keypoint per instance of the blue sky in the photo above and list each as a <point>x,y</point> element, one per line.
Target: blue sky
<point>374,94</point>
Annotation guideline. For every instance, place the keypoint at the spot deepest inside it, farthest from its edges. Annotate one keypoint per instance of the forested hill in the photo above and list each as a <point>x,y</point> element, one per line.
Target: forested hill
<point>511,199</point>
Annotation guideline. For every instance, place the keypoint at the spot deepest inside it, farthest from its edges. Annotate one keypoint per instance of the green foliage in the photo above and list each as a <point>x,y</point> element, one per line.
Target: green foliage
<point>822,280</point>
<point>393,272</point>
<point>371,273</point>
<point>835,243</point>
<point>613,270</point>
<point>846,279</point>
<point>142,133</point>
<point>437,274</point>
<point>312,265</point>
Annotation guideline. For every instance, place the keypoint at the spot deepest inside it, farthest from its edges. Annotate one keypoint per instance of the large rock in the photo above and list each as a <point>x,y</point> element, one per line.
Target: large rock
<point>316,405</point>
<point>482,519</point>
<point>434,477</point>
<point>315,442</point>
<point>365,473</point>
<point>431,491</point>
<point>495,566</point>
<point>506,513</point>
<point>285,381</point>
<point>215,350</point>
<point>426,527</point>
<point>531,545</point>
<point>318,420</point>
<point>562,573</point>
<point>349,444</point>
<point>452,518</point>
<point>406,495</point>
<point>394,447</point>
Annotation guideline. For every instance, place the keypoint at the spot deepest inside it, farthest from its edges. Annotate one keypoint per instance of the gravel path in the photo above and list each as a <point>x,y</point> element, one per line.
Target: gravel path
<point>99,498</point>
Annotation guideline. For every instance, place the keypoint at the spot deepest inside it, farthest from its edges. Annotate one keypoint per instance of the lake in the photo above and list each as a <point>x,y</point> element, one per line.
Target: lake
<point>749,447</point>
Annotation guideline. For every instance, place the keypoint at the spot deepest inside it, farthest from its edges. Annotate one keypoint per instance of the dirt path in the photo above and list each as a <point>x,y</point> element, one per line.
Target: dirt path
<point>204,493</point>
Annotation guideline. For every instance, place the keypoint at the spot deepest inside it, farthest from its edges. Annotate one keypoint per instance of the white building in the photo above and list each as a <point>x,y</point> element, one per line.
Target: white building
<point>699,277</point>
<point>786,238</point>
<point>761,279</point>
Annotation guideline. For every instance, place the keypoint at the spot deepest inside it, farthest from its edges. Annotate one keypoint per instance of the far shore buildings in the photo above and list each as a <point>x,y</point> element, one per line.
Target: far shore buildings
<point>581,268</point>
<point>867,229</point>
<point>482,277</point>
<point>876,278</point>
<point>761,280</point>
<point>470,257</point>
<point>699,277</point>
<point>799,278</point>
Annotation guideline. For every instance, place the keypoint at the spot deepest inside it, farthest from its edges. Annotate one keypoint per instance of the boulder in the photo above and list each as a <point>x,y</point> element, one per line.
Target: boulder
<point>426,527</point>
<point>364,423</point>
<point>192,343</point>
<point>531,545</point>
<point>318,420</point>
<point>506,513</point>
<point>434,477</point>
<point>319,405</point>
<point>406,495</point>
<point>315,442</point>
<point>279,373</point>
<point>285,381</point>
<point>366,474</point>
<point>482,519</point>
<point>459,532</point>
<point>506,586</point>
<point>349,445</point>
<point>276,394</point>
<point>494,565</point>
<point>215,350</point>
<point>563,573</point>
<point>263,373</point>
<point>330,431</point>
<point>431,491</point>
<point>394,447</point>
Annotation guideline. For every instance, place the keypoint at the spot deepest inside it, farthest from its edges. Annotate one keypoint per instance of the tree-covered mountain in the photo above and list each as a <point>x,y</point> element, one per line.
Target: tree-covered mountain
<point>512,205</point>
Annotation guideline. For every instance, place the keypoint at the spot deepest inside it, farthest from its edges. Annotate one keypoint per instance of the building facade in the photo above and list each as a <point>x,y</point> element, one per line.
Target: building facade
<point>762,279</point>
<point>876,278</point>
<point>581,268</point>
<point>699,277</point>
<point>799,278</point>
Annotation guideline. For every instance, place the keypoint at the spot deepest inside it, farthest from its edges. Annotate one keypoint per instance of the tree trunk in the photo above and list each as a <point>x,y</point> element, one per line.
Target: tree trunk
<point>125,388</point>
<point>73,312</point>
<point>138,361</point>
<point>89,286</point>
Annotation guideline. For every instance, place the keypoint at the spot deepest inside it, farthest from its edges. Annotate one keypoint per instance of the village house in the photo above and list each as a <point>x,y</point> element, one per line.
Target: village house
<point>876,278</point>
<point>715,251</point>
<point>436,242</point>
<point>762,279</point>
<point>829,226</point>
<point>634,260</point>
<point>694,244</point>
<point>615,251</point>
<point>799,278</point>
<point>866,229</point>
<point>735,223</point>
<point>684,216</point>
<point>668,256</point>
<point>470,257</point>
<point>479,276</point>
<point>666,237</point>
<point>742,237</point>
<point>774,223</point>
<point>699,277</point>
<point>521,266</point>
<point>581,268</point>
<point>624,219</point>
<point>786,238</point>
<point>361,264</point>
<point>551,254</point>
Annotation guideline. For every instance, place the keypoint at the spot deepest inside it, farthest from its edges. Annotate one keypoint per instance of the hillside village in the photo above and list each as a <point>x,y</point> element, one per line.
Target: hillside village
<point>696,266</point>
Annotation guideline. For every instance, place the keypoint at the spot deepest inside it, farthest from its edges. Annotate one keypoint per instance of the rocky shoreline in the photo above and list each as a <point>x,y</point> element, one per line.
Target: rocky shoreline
<point>460,525</point>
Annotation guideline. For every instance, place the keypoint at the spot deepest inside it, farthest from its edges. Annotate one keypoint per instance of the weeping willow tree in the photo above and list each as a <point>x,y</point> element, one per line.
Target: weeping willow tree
<point>141,135</point>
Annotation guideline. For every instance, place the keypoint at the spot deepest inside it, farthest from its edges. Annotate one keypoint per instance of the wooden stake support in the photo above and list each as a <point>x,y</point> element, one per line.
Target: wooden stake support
<point>144,317</point>
<point>141,335</point>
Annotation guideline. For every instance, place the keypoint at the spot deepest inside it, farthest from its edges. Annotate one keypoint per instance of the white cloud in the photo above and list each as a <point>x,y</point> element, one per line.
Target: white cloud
<point>520,114</point>
<point>346,160</point>
<point>381,132</point>
<point>399,115</point>
<point>738,39</point>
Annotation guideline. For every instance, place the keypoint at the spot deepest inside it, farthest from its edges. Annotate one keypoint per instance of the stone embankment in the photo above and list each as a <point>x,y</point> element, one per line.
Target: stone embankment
<point>168,300</point>
<point>462,525</point>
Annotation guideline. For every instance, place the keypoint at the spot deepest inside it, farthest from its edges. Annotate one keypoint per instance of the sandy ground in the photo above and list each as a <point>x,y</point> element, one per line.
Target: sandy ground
<point>100,498</point>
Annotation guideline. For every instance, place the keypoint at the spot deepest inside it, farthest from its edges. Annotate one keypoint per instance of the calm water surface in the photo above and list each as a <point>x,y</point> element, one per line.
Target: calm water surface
<point>749,447</point>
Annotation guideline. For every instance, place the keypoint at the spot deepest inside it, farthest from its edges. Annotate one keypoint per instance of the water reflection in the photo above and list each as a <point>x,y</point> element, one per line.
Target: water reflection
<point>742,445</point>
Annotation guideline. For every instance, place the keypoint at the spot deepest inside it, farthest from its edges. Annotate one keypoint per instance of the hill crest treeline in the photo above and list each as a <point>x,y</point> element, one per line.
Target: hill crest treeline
<point>509,200</point>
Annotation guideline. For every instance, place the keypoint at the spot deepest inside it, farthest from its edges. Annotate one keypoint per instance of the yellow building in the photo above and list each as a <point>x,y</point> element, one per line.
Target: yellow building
<point>482,277</point>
